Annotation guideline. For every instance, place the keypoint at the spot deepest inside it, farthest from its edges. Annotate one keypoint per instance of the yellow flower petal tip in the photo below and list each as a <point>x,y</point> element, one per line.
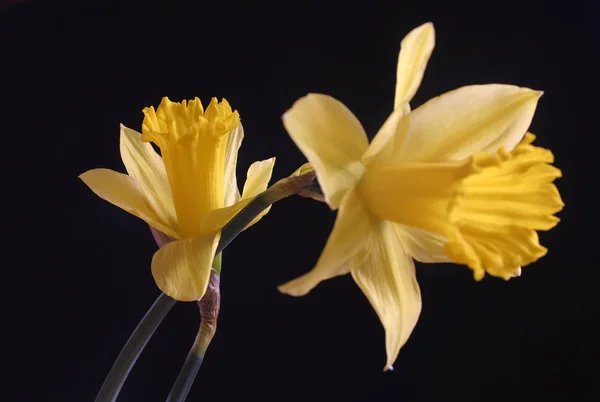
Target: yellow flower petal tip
<point>415,51</point>
<point>298,287</point>
<point>304,169</point>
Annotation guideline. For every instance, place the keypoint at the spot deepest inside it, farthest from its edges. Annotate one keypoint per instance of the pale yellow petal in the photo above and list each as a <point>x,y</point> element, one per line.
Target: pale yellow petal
<point>333,141</point>
<point>415,51</point>
<point>387,278</point>
<point>147,167</point>
<point>475,118</point>
<point>216,219</point>
<point>350,236</point>
<point>259,175</point>
<point>232,193</point>
<point>304,169</point>
<point>126,193</point>
<point>257,180</point>
<point>389,138</point>
<point>422,245</point>
<point>181,268</point>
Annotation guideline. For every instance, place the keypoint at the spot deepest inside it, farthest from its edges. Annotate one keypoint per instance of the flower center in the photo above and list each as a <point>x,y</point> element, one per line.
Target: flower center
<point>489,206</point>
<point>193,143</point>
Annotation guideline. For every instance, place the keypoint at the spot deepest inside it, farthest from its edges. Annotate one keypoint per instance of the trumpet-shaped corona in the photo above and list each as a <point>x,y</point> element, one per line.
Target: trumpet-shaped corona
<point>488,206</point>
<point>193,143</point>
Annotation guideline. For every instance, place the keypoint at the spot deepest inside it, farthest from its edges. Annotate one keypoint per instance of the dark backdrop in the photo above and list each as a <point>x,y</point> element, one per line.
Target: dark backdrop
<point>78,269</point>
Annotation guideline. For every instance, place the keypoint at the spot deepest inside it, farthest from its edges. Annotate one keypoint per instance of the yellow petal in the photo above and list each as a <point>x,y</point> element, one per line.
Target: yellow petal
<point>470,119</point>
<point>232,193</point>
<point>304,169</point>
<point>389,138</point>
<point>258,177</point>
<point>147,167</point>
<point>422,245</point>
<point>415,51</point>
<point>257,181</point>
<point>332,139</point>
<point>181,268</point>
<point>349,237</point>
<point>126,193</point>
<point>387,278</point>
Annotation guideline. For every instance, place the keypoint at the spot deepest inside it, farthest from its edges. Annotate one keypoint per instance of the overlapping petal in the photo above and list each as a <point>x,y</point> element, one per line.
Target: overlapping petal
<point>258,177</point>
<point>332,139</point>
<point>147,167</point>
<point>181,268</point>
<point>389,138</point>
<point>470,119</point>
<point>126,193</point>
<point>232,193</point>
<point>422,245</point>
<point>349,238</point>
<point>387,278</point>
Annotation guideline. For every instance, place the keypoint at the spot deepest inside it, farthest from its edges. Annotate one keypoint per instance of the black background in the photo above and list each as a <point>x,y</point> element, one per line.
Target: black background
<point>77,269</point>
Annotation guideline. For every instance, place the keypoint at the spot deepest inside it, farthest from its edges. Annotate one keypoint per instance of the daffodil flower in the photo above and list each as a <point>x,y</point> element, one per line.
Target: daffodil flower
<point>457,179</point>
<point>189,193</point>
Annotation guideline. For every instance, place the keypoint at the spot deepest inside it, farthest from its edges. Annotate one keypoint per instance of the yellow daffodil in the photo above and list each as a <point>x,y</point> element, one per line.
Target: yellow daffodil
<point>189,193</point>
<point>457,179</point>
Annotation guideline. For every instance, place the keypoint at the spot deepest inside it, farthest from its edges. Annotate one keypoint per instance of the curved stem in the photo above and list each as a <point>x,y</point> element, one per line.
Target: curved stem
<point>209,312</point>
<point>133,348</point>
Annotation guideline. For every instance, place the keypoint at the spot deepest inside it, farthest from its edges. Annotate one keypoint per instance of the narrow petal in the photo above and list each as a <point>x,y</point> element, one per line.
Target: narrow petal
<point>215,220</point>
<point>304,169</point>
<point>475,118</point>
<point>257,180</point>
<point>415,50</point>
<point>232,194</point>
<point>332,139</point>
<point>258,177</point>
<point>147,167</point>
<point>350,236</point>
<point>181,268</point>
<point>387,278</point>
<point>126,193</point>
<point>422,245</point>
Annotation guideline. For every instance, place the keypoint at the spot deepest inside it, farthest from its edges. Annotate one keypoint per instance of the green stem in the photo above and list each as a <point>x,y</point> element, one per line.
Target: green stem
<point>143,332</point>
<point>262,201</point>
<point>188,372</point>
<point>133,348</point>
<point>209,312</point>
